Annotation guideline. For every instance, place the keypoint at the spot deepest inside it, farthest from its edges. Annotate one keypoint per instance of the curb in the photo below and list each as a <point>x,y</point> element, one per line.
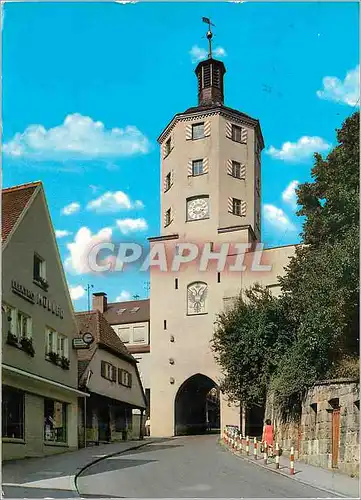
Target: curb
<point>275,471</point>
<point>80,470</point>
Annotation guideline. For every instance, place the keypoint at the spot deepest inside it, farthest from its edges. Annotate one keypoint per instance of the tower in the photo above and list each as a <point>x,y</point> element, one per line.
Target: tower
<point>210,192</point>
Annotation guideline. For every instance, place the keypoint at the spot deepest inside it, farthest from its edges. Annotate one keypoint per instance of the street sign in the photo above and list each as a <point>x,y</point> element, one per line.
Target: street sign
<point>80,344</point>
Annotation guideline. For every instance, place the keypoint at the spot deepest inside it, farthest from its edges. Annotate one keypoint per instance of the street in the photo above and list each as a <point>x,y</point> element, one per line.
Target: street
<point>187,467</point>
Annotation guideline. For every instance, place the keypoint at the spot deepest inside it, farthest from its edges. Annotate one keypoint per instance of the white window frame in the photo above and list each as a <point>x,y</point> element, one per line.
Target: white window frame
<point>42,267</point>
<point>11,312</point>
<point>236,169</point>
<point>236,129</point>
<point>56,343</point>
<point>19,325</point>
<point>236,206</point>
<point>197,167</point>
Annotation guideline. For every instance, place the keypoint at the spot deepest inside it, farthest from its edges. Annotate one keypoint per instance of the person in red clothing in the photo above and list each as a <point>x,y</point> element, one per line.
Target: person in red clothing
<point>268,435</point>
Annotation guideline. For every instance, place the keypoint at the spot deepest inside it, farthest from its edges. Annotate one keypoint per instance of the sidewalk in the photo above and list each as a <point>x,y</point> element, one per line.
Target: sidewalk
<point>57,472</point>
<point>325,479</point>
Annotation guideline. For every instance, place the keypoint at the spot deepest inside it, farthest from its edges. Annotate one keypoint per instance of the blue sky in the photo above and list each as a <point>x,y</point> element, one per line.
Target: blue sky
<point>67,67</point>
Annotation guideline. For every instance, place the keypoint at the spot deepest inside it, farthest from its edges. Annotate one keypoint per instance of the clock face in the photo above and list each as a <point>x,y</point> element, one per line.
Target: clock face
<point>198,209</point>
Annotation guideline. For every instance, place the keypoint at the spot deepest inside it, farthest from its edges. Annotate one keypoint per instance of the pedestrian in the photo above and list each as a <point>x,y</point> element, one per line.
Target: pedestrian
<point>268,435</point>
<point>147,426</point>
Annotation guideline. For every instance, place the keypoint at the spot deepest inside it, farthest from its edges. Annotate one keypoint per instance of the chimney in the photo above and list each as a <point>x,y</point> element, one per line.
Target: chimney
<point>100,302</point>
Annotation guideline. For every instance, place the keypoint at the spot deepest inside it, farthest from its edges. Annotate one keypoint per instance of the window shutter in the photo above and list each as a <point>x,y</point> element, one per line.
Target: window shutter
<point>228,130</point>
<point>164,150</point>
<point>119,376</point>
<point>165,218</point>
<point>114,374</point>
<point>190,167</point>
<point>171,142</point>
<point>243,208</point>
<point>229,167</point>
<point>207,128</point>
<point>188,132</point>
<point>244,133</point>
<point>164,183</point>
<point>172,213</point>
<point>102,369</point>
<point>205,165</point>
<point>129,380</point>
<point>172,178</point>
<point>230,205</point>
<point>243,171</point>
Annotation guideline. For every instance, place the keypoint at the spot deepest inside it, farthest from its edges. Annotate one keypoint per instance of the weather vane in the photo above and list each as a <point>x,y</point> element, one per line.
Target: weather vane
<point>209,35</point>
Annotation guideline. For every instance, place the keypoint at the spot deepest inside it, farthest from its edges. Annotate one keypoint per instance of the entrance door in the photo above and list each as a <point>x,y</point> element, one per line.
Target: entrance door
<point>104,423</point>
<point>335,435</point>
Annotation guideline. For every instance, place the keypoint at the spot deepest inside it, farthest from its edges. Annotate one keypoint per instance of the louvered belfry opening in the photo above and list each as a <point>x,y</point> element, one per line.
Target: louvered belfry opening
<point>210,75</point>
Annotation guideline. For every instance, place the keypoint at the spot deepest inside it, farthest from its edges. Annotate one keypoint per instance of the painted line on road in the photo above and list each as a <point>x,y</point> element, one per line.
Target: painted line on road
<point>280,473</point>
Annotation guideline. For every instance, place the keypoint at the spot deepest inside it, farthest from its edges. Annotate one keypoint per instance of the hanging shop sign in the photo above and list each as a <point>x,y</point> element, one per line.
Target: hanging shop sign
<point>37,298</point>
<point>83,342</point>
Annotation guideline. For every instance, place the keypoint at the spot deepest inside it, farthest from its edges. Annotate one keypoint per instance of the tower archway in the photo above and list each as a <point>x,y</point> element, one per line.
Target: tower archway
<point>196,406</point>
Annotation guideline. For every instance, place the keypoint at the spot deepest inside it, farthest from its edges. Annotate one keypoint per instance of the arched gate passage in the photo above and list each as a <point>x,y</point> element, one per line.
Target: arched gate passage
<point>197,406</point>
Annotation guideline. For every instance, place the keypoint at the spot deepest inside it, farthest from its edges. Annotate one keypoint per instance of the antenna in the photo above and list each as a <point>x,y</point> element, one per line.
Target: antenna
<point>88,288</point>
<point>209,35</point>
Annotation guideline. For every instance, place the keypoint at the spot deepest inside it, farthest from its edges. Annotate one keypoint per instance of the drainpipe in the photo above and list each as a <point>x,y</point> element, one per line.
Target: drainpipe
<point>84,422</point>
<point>141,425</point>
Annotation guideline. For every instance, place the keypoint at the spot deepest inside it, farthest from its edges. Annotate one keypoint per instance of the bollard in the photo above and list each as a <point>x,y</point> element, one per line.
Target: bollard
<point>277,456</point>
<point>247,445</point>
<point>292,461</point>
<point>255,448</point>
<point>241,444</point>
<point>265,453</point>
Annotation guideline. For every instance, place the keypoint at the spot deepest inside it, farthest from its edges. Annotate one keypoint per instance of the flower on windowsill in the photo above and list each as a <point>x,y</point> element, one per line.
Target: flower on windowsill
<point>12,339</point>
<point>54,357</point>
<point>64,363</point>
<point>42,282</point>
<point>27,345</point>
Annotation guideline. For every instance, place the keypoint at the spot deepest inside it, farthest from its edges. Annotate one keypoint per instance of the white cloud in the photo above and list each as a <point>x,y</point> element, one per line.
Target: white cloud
<point>346,91</point>
<point>301,150</point>
<point>289,194</point>
<point>77,262</point>
<point>132,225</point>
<point>61,233</point>
<point>277,217</point>
<point>76,292</point>
<point>78,137</point>
<point>70,209</point>
<point>198,53</point>
<point>113,202</point>
<point>124,295</point>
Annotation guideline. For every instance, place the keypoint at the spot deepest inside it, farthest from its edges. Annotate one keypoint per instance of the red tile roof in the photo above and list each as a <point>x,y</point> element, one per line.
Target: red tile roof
<point>14,201</point>
<point>104,335</point>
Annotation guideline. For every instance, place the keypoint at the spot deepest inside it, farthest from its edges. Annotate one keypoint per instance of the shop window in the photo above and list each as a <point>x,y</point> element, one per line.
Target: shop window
<point>55,421</point>
<point>13,404</point>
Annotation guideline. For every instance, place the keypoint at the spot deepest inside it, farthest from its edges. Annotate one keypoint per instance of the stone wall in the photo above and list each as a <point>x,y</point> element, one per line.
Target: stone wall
<point>311,435</point>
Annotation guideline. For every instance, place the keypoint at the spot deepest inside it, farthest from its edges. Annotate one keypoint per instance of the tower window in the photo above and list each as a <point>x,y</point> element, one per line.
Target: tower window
<point>198,131</point>
<point>165,324</point>
<point>176,283</point>
<point>237,206</point>
<point>197,167</point>
<point>236,169</point>
<point>167,182</point>
<point>168,217</point>
<point>236,133</point>
<point>168,146</point>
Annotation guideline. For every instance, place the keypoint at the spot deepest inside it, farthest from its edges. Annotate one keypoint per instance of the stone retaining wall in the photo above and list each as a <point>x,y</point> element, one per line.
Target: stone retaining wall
<point>311,436</point>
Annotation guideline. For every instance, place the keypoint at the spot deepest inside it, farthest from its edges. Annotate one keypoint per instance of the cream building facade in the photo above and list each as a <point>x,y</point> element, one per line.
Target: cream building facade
<point>210,194</point>
<point>39,367</point>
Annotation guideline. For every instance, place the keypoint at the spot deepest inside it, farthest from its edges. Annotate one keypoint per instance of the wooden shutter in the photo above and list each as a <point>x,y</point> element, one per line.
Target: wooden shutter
<point>243,208</point>
<point>172,178</point>
<point>230,205</point>
<point>188,132</point>
<point>102,369</point>
<point>164,183</point>
<point>205,165</point>
<point>207,128</point>
<point>129,380</point>
<point>171,142</point>
<point>244,134</point>
<point>114,373</point>
<point>164,151</point>
<point>228,130</point>
<point>119,376</point>
<point>190,167</point>
<point>230,167</point>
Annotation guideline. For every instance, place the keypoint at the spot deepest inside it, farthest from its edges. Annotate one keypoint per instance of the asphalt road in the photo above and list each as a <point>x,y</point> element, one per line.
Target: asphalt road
<point>186,468</point>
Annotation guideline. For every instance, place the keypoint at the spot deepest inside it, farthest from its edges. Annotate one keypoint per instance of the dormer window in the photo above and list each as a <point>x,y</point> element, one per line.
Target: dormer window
<point>134,310</point>
<point>39,271</point>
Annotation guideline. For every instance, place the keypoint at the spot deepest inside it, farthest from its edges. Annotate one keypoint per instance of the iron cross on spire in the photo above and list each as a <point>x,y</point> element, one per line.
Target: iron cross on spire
<point>209,35</point>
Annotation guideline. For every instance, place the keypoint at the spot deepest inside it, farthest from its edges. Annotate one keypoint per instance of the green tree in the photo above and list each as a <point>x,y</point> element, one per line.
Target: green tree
<point>249,339</point>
